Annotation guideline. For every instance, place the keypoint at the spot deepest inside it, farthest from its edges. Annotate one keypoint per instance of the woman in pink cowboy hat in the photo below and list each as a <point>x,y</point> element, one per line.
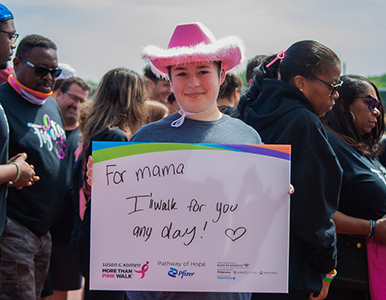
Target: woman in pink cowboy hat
<point>195,63</point>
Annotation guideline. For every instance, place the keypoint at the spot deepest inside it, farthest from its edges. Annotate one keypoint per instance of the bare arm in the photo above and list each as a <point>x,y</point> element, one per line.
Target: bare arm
<point>18,173</point>
<point>323,292</point>
<point>351,225</point>
<point>7,173</point>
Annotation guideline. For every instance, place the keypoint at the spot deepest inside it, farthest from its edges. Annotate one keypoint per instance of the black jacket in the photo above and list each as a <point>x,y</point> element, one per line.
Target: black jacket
<point>282,115</point>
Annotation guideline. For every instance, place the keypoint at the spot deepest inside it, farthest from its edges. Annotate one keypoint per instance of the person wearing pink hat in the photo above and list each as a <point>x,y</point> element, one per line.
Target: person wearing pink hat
<point>196,64</point>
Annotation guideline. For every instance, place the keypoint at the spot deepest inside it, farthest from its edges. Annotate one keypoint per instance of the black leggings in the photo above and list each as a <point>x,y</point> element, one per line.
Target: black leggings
<point>83,259</point>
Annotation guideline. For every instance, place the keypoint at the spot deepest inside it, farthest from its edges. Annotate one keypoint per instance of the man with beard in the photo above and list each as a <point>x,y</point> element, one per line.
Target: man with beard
<point>159,88</point>
<point>35,127</point>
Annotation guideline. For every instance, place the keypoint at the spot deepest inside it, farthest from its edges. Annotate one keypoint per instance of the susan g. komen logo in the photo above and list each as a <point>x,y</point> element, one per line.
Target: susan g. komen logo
<point>143,270</point>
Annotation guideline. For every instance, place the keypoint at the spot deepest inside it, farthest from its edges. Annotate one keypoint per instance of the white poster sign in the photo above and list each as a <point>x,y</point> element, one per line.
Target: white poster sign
<point>190,217</point>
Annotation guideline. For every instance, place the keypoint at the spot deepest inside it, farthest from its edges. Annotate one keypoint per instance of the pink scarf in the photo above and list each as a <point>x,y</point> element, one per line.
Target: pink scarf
<point>30,95</point>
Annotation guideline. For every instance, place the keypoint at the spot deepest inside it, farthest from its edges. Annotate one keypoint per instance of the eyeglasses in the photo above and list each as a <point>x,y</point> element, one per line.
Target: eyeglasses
<point>43,71</point>
<point>333,87</point>
<point>373,102</point>
<point>12,35</point>
<point>76,98</point>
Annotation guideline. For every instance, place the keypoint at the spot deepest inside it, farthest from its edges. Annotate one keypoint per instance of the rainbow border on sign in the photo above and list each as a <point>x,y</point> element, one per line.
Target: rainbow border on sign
<point>103,151</point>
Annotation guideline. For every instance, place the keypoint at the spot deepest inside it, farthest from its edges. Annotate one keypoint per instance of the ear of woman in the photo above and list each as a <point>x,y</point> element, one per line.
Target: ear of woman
<point>300,82</point>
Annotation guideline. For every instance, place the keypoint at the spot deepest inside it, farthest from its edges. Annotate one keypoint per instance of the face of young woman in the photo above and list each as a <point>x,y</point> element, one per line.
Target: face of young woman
<point>196,86</point>
<point>318,90</point>
<point>365,120</point>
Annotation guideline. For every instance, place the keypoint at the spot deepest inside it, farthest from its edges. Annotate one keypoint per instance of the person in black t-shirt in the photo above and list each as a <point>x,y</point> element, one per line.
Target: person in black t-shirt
<point>64,274</point>
<point>355,126</point>
<point>35,127</point>
<point>16,168</point>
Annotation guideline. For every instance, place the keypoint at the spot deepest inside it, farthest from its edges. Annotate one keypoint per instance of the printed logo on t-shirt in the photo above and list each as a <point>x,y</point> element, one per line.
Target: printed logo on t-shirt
<point>381,173</point>
<point>51,135</point>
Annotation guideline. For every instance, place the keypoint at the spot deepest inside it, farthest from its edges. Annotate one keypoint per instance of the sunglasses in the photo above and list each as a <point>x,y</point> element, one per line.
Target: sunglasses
<point>333,87</point>
<point>373,102</point>
<point>43,71</point>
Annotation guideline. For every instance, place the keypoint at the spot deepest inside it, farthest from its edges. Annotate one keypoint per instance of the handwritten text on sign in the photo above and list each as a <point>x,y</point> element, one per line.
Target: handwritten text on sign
<point>214,216</point>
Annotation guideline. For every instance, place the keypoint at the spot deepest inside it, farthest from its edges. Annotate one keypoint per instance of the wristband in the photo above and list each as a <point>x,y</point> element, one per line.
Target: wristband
<point>372,228</point>
<point>328,277</point>
<point>18,171</point>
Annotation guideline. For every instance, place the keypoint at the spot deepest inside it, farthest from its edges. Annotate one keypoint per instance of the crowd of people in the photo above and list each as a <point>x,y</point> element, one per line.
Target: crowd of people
<point>189,93</point>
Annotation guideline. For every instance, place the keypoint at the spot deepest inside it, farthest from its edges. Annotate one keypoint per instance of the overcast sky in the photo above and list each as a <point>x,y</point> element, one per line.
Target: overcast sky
<point>94,36</point>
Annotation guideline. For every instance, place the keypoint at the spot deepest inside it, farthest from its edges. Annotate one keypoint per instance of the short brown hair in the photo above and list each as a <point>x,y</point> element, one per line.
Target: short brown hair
<point>67,83</point>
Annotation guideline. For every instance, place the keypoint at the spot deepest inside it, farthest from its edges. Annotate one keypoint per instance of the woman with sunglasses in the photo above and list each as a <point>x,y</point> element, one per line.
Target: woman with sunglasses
<point>289,94</point>
<point>355,126</point>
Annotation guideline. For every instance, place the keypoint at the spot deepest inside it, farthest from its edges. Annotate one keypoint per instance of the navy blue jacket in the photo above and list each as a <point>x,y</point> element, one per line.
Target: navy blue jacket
<point>282,115</point>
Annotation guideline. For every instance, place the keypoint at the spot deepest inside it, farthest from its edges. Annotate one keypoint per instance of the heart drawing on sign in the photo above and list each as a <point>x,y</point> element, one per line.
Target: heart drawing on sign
<point>235,234</point>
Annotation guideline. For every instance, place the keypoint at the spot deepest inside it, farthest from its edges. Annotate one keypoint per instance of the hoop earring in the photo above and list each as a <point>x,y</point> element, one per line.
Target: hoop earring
<point>353,116</point>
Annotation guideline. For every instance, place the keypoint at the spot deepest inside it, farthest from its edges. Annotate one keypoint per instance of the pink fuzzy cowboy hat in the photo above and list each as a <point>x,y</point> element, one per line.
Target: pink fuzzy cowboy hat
<point>194,42</point>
